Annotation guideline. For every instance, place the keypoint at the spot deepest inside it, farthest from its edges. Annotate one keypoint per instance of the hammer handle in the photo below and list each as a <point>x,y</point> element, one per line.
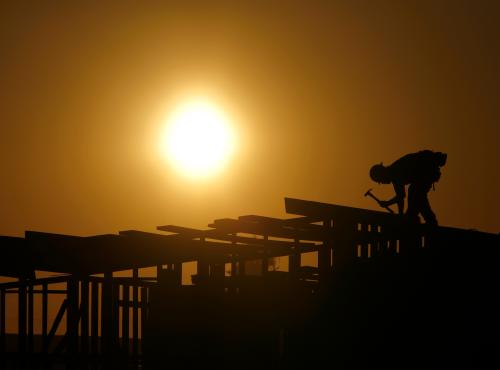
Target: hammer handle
<point>378,201</point>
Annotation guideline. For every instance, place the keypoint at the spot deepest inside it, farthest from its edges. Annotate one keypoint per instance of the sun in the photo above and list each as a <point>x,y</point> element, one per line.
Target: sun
<point>199,140</point>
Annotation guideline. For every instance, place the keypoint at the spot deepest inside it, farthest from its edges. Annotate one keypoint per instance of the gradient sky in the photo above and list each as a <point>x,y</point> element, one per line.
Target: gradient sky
<point>318,91</point>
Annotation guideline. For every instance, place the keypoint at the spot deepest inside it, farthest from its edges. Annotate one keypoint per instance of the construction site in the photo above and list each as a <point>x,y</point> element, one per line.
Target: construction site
<point>354,287</point>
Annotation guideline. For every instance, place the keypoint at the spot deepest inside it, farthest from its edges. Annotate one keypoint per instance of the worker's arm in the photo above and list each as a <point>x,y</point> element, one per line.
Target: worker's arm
<point>399,198</point>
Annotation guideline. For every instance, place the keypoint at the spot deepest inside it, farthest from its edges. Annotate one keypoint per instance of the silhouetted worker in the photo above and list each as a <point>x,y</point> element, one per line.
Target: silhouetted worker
<point>418,170</point>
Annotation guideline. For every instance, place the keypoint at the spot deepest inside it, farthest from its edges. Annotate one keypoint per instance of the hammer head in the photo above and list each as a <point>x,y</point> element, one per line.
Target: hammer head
<point>368,192</point>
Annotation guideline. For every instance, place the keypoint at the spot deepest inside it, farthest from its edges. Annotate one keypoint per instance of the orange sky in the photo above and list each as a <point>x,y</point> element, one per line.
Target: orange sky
<point>317,91</point>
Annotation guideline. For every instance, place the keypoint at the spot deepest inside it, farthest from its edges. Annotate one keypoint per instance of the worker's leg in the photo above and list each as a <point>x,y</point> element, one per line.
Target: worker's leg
<point>413,208</point>
<point>425,208</point>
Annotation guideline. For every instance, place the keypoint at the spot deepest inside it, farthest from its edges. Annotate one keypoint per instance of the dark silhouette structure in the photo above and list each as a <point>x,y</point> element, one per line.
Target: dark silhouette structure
<point>418,170</point>
<point>383,292</point>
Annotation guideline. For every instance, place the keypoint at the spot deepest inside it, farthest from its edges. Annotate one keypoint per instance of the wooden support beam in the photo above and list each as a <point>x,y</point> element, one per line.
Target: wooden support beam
<point>135,314</point>
<point>3,341</point>
<point>325,254</point>
<point>126,319</point>
<point>57,322</point>
<point>337,212</point>
<point>307,232</point>
<point>94,318</point>
<point>84,314</point>
<point>265,259</point>
<point>144,310</point>
<point>30,319</point>
<point>22,314</point>
<point>107,313</point>
<point>72,317</point>
<point>116,316</point>
<point>45,306</point>
<point>294,261</point>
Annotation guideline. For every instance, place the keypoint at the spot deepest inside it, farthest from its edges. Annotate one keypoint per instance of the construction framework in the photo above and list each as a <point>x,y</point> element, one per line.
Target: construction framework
<point>105,319</point>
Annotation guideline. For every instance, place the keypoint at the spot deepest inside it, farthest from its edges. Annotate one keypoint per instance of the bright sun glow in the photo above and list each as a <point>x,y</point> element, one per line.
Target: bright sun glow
<point>198,140</point>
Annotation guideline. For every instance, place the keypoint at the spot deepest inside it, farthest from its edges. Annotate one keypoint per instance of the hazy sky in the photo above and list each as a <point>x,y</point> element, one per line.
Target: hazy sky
<point>318,91</point>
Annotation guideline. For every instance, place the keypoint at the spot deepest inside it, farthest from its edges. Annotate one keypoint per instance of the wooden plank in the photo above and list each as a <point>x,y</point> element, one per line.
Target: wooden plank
<point>216,234</point>
<point>296,221</point>
<point>57,321</point>
<point>312,232</point>
<point>319,209</point>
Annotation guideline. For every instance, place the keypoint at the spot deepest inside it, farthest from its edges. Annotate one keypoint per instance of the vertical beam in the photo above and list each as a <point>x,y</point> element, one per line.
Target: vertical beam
<point>135,312</point>
<point>106,313</point>
<point>84,312</point>
<point>178,273</point>
<point>45,306</point>
<point>30,319</point>
<point>126,318</point>
<point>116,316</point>
<point>344,245</point>
<point>22,317</point>
<point>144,308</point>
<point>2,323</point>
<point>72,316</point>
<point>202,270</point>
<point>94,317</point>
<point>159,272</point>
<point>294,262</point>
<point>265,259</point>
<point>325,255</point>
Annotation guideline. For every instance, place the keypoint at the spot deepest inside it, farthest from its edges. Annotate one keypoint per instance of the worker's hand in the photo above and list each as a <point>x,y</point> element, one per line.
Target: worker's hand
<point>384,203</point>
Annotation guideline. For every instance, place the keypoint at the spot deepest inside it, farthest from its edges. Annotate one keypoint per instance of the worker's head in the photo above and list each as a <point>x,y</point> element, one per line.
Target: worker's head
<point>379,173</point>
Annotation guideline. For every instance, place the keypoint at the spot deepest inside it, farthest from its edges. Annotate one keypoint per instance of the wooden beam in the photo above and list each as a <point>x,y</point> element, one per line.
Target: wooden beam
<point>318,209</point>
<point>309,232</point>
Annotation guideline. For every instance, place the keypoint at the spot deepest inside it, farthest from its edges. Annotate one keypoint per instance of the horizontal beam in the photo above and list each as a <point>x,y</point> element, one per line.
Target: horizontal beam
<point>307,232</point>
<point>343,214</point>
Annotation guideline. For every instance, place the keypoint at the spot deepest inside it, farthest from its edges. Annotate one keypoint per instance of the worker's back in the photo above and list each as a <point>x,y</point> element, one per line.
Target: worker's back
<point>422,166</point>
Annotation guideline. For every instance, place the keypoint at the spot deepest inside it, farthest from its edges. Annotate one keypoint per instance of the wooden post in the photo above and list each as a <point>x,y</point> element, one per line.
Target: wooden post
<point>125,318</point>
<point>45,306</point>
<point>178,273</point>
<point>72,316</point>
<point>294,261</point>
<point>107,313</point>
<point>94,318</point>
<point>265,259</point>
<point>115,322</point>
<point>344,244</point>
<point>22,317</point>
<point>144,308</point>
<point>325,255</point>
<point>2,323</point>
<point>135,312</point>
<point>84,310</point>
<point>30,319</point>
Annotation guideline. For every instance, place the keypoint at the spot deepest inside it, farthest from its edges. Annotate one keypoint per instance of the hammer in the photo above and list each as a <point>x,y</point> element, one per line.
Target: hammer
<point>369,193</point>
